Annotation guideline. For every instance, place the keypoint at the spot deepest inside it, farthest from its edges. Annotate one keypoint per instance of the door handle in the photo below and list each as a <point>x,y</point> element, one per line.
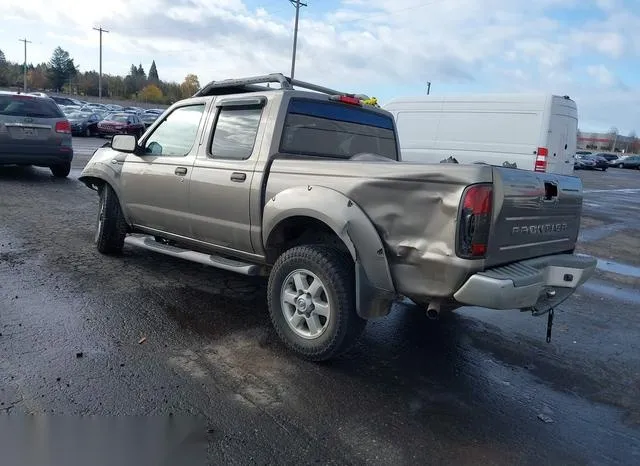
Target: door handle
<point>238,177</point>
<point>181,171</point>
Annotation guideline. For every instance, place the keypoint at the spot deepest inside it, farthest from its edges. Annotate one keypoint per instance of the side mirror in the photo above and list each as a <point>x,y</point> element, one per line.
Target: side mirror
<point>124,143</point>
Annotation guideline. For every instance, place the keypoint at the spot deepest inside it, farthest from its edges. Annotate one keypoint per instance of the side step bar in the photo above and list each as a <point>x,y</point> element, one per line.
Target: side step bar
<point>149,242</point>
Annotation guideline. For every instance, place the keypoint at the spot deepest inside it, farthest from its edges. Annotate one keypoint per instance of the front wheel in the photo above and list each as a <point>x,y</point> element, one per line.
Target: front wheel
<point>111,227</point>
<point>620,165</point>
<point>311,297</point>
<point>61,170</point>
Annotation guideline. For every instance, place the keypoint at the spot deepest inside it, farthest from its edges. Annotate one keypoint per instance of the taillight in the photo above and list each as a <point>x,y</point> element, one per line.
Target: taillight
<point>63,127</point>
<point>541,159</point>
<point>475,221</point>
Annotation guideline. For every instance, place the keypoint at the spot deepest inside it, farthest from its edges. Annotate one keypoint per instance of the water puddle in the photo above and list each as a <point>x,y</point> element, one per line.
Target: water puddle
<point>601,232</point>
<point>620,269</point>
<point>604,289</point>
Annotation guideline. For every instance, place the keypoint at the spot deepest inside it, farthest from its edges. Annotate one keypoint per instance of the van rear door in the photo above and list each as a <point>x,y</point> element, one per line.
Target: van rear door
<point>562,134</point>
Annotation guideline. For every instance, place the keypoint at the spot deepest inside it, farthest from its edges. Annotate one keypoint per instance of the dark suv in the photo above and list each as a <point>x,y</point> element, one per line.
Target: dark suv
<point>34,131</point>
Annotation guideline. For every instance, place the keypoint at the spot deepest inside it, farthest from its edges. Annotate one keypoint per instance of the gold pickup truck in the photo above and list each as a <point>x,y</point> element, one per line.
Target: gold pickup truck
<point>305,185</point>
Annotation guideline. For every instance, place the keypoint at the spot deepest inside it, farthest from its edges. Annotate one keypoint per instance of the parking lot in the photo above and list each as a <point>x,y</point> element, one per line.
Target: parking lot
<point>81,333</point>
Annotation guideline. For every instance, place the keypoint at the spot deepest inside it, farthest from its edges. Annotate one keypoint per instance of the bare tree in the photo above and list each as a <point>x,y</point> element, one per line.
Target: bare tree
<point>613,138</point>
<point>632,142</point>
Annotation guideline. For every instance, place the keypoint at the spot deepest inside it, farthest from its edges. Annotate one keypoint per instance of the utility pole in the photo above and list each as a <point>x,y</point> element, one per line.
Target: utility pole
<point>100,75</point>
<point>297,4</point>
<point>25,61</point>
<point>428,87</point>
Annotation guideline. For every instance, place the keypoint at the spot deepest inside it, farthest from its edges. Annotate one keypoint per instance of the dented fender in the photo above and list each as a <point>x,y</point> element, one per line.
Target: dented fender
<point>375,289</point>
<point>106,165</point>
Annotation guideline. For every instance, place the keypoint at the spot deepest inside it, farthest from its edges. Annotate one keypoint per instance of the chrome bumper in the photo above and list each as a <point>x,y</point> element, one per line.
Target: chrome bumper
<point>538,284</point>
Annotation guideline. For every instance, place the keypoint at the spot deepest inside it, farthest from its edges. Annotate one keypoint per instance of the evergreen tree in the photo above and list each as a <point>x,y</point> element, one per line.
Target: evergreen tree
<point>61,68</point>
<point>153,73</point>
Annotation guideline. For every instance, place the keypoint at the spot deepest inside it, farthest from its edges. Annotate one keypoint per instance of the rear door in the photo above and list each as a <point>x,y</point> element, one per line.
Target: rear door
<point>220,195</point>
<point>562,136</point>
<point>28,125</point>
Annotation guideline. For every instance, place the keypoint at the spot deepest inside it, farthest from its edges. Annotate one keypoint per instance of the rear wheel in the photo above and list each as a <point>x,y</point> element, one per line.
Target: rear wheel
<point>311,297</point>
<point>111,227</point>
<point>61,170</point>
<point>620,165</point>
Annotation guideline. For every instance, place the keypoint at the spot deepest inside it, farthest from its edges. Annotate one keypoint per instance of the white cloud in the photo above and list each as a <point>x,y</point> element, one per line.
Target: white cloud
<point>602,74</point>
<point>373,46</point>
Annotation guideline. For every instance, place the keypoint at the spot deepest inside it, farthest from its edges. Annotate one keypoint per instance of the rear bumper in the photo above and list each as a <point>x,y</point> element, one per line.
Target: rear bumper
<point>38,155</point>
<point>538,284</point>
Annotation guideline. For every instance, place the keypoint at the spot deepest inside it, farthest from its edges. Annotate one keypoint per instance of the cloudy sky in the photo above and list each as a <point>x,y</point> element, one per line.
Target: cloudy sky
<point>588,49</point>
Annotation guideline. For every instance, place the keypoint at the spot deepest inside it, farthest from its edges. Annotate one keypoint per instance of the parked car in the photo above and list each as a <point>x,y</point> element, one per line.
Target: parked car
<point>120,123</point>
<point>611,158</point>
<point>114,107</point>
<point>148,118</point>
<point>84,123</point>
<point>583,162</point>
<point>136,110</point>
<point>533,131</point>
<point>308,189</point>
<point>63,100</point>
<point>95,106</point>
<point>630,161</point>
<point>68,109</point>
<point>600,162</point>
<point>34,131</point>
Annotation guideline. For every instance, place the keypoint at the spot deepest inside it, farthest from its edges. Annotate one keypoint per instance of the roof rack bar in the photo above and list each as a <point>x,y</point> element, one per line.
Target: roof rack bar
<point>267,78</point>
<point>250,83</point>
<point>314,87</point>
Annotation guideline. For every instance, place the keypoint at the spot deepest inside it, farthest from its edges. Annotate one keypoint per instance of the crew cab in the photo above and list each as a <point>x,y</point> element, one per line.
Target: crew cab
<point>305,185</point>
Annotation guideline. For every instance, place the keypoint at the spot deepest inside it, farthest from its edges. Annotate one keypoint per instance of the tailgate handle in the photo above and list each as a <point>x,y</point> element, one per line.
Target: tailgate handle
<point>550,191</point>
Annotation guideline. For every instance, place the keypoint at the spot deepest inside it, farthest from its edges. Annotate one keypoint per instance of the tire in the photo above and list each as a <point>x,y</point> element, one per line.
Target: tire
<point>604,169</point>
<point>332,332</point>
<point>61,170</point>
<point>620,165</point>
<point>111,227</point>
<point>87,132</point>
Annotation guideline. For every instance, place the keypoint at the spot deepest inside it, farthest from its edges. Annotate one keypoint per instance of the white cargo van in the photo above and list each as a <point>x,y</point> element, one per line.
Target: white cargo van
<point>534,131</point>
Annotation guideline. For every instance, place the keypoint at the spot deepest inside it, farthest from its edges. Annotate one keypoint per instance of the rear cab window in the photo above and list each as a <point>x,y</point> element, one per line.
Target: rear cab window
<point>235,132</point>
<point>336,130</point>
<point>27,106</point>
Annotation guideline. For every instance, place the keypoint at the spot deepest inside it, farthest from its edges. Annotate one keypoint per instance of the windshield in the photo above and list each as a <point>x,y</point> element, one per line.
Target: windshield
<point>34,107</point>
<point>336,130</point>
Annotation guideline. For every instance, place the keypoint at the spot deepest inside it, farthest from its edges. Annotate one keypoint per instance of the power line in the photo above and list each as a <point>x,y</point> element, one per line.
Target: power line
<point>297,4</point>
<point>100,75</point>
<point>25,60</point>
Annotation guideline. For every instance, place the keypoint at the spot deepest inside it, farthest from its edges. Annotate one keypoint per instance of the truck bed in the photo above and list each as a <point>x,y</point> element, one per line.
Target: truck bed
<point>415,209</point>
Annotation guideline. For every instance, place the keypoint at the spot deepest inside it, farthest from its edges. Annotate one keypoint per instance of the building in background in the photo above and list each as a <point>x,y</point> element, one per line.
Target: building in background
<point>609,142</point>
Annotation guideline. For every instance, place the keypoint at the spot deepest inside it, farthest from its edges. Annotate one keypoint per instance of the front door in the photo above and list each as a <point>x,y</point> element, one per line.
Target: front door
<point>221,183</point>
<point>155,182</point>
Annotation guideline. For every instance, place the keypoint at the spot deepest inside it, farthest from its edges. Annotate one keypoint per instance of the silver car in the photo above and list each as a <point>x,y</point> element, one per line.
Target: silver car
<point>34,131</point>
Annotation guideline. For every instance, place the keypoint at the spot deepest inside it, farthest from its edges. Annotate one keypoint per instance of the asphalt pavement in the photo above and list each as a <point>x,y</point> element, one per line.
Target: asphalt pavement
<point>145,334</point>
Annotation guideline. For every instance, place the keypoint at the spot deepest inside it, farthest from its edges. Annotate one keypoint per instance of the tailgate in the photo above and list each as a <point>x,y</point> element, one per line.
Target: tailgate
<point>535,214</point>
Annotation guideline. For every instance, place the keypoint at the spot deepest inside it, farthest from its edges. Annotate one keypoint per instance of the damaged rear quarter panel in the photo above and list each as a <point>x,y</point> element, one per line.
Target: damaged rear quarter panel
<point>413,207</point>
